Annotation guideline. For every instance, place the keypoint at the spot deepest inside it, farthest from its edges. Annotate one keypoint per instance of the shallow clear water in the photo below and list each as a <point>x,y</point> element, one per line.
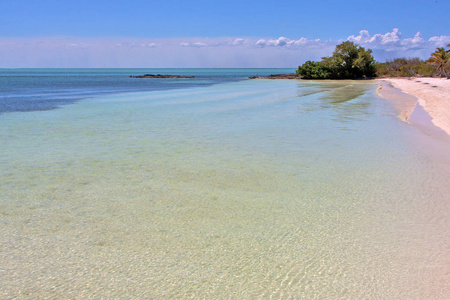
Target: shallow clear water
<point>242,189</point>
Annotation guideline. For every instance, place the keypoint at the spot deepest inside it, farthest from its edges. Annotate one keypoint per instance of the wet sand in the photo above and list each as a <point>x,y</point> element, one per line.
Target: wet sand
<point>433,94</point>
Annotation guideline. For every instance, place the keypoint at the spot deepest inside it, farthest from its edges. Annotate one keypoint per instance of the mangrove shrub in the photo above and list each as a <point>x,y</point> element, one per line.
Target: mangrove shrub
<point>349,61</point>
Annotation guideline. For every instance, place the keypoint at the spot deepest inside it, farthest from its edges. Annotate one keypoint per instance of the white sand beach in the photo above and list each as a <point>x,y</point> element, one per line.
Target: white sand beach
<point>433,94</point>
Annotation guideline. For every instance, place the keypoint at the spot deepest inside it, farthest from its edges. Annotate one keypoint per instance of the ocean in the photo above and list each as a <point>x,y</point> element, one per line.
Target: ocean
<point>215,187</point>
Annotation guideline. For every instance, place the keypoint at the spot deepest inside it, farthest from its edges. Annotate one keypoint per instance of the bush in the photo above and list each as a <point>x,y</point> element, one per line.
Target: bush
<point>404,67</point>
<point>313,70</point>
<point>349,61</point>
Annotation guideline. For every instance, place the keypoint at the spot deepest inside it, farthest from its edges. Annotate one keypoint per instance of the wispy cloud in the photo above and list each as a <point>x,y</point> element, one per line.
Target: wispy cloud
<point>287,43</point>
<point>281,42</point>
<point>201,52</point>
<point>195,44</point>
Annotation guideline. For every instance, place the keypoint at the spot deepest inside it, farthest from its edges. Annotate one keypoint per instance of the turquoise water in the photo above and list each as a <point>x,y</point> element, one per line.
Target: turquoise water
<point>236,189</point>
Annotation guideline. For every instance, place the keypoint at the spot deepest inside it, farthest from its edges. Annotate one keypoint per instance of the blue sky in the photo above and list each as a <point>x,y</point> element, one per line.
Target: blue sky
<point>100,33</point>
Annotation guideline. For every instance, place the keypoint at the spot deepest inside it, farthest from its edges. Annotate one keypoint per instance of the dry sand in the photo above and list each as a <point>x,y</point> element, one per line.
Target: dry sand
<point>433,94</point>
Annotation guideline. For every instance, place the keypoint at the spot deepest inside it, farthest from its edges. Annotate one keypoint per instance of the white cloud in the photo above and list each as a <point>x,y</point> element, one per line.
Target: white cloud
<point>417,42</point>
<point>201,52</point>
<point>194,44</point>
<point>280,42</point>
<point>440,41</point>
<point>238,42</point>
<point>387,40</point>
<point>300,42</point>
<point>150,45</point>
<point>361,38</point>
<point>83,45</point>
<point>392,41</point>
<point>199,44</point>
<point>417,38</point>
<point>286,43</point>
<point>144,44</point>
<point>392,44</point>
<point>261,43</point>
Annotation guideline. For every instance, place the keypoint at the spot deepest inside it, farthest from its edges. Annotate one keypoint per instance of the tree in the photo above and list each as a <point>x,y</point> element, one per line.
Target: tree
<point>349,61</point>
<point>440,59</point>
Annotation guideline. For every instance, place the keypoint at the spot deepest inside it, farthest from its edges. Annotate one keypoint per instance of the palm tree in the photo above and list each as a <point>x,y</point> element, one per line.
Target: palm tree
<point>440,58</point>
<point>448,52</point>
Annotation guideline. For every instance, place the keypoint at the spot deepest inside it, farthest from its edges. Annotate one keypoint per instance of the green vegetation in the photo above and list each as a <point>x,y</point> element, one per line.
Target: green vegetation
<point>349,61</point>
<point>437,65</point>
<point>441,60</point>
<point>405,67</point>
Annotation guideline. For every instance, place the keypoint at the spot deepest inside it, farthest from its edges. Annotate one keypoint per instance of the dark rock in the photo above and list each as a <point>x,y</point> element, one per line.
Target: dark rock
<point>160,76</point>
<point>277,76</point>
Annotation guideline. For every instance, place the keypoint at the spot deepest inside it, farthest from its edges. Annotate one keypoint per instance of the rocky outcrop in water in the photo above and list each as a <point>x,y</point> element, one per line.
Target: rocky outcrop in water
<point>160,76</point>
<point>277,76</point>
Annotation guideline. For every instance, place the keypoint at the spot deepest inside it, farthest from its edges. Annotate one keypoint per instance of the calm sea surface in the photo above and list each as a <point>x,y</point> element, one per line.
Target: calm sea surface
<point>215,187</point>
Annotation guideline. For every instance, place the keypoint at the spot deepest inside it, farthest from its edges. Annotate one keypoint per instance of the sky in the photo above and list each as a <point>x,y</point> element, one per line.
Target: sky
<point>200,33</point>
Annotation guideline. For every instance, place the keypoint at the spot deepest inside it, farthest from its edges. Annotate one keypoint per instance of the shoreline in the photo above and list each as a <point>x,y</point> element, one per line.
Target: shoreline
<point>421,115</point>
<point>406,94</point>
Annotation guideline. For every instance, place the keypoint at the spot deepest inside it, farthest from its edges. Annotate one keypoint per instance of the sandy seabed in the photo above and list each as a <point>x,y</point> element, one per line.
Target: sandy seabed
<point>433,94</point>
<point>244,190</point>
